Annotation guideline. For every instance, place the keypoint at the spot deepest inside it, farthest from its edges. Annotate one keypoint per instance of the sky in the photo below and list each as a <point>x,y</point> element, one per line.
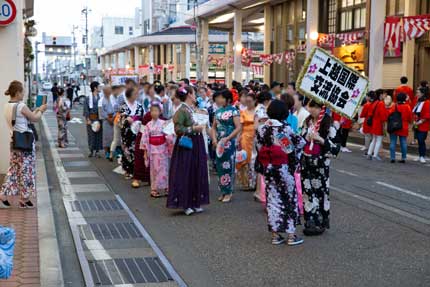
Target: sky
<point>57,17</point>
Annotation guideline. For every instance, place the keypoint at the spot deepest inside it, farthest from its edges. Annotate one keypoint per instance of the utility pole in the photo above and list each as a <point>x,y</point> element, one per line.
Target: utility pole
<point>85,11</point>
<point>37,66</point>
<point>74,46</point>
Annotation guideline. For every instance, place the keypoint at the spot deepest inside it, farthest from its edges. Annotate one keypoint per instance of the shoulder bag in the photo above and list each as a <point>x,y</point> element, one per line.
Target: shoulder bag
<point>369,121</point>
<point>22,141</point>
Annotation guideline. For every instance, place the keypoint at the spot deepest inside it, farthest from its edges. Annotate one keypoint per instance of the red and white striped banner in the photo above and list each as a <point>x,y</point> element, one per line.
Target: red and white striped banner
<point>392,36</point>
<point>266,59</point>
<point>416,26</point>
<point>158,69</point>
<point>257,69</point>
<point>219,62</point>
<point>278,58</point>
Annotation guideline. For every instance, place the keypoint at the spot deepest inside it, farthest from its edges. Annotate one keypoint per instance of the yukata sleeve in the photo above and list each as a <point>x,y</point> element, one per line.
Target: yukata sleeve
<point>299,143</point>
<point>182,121</point>
<point>144,142</point>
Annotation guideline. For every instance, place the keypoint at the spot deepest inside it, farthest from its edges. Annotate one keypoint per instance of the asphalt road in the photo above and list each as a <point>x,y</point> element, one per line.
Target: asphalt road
<point>379,236</point>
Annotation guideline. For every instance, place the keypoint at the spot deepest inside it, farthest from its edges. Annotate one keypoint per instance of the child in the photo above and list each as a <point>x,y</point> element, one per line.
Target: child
<point>155,146</point>
<point>63,115</point>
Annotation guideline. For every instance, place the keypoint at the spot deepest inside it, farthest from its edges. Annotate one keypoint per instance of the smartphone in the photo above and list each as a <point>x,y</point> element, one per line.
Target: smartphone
<point>41,100</point>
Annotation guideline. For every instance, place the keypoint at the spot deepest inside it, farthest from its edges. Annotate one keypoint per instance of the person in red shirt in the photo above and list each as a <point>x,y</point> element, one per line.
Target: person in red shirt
<point>379,114</point>
<point>364,115</point>
<point>422,121</point>
<point>344,126</point>
<point>406,112</point>
<point>404,88</point>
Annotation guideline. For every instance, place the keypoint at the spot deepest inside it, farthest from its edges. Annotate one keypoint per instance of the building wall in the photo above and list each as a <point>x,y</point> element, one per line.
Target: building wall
<point>11,68</point>
<point>111,28</point>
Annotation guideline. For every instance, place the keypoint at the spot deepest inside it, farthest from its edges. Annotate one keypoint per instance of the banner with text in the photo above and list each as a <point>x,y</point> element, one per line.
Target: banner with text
<point>329,81</point>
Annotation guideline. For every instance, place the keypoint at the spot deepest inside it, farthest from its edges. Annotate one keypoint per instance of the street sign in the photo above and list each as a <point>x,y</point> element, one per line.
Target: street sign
<point>327,80</point>
<point>7,12</point>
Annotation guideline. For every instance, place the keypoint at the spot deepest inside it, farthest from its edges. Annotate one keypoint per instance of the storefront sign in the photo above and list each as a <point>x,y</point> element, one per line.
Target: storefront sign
<point>7,12</point>
<point>216,49</point>
<point>329,81</point>
<point>120,79</point>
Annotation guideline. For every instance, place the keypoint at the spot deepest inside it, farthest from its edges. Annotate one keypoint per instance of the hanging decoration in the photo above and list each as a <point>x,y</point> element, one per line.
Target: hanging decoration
<point>257,69</point>
<point>392,37</point>
<point>266,59</point>
<point>246,57</point>
<point>278,58</point>
<point>415,26</point>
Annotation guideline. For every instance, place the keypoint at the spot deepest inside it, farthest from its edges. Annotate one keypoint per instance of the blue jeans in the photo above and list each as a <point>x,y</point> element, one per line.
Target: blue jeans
<point>403,146</point>
<point>421,138</point>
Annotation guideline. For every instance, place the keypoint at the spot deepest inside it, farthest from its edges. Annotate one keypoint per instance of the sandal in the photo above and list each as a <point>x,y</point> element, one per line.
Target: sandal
<point>135,184</point>
<point>221,198</point>
<point>227,198</point>
<point>155,194</point>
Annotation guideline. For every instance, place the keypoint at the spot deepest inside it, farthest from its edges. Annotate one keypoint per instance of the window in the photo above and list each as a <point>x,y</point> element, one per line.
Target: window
<point>352,15</point>
<point>395,7</point>
<point>130,30</point>
<point>119,30</point>
<point>332,8</point>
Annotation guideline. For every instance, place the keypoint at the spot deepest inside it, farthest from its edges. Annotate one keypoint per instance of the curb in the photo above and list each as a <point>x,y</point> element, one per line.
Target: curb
<point>51,273</point>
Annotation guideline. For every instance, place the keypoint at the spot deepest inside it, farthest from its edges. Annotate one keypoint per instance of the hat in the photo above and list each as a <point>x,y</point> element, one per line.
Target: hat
<point>275,84</point>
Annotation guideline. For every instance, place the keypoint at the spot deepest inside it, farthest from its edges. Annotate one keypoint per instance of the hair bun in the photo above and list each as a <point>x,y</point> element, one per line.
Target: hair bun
<point>7,93</point>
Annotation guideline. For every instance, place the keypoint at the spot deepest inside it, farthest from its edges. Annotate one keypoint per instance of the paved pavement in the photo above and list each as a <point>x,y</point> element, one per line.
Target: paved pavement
<point>380,233</point>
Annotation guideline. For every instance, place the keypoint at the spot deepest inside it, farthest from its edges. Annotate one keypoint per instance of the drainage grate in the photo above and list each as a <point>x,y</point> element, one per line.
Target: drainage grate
<point>96,205</point>
<point>106,231</point>
<point>128,271</point>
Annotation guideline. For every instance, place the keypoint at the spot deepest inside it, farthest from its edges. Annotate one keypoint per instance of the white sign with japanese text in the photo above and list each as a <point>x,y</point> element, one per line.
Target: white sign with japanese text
<point>329,81</point>
<point>120,79</point>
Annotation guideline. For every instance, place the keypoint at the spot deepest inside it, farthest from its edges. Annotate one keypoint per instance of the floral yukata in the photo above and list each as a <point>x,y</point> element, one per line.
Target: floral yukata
<point>128,137</point>
<point>280,151</point>
<point>225,165</point>
<point>63,110</point>
<point>155,143</point>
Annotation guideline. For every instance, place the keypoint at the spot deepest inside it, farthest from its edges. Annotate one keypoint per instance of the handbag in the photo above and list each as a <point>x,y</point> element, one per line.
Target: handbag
<point>185,142</point>
<point>369,121</point>
<point>22,141</point>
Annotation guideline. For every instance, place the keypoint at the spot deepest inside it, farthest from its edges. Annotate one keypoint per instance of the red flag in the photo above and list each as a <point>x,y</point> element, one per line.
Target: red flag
<point>392,36</point>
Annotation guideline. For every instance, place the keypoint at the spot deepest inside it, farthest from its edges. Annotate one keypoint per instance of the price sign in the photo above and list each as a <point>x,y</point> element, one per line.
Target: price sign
<point>7,12</point>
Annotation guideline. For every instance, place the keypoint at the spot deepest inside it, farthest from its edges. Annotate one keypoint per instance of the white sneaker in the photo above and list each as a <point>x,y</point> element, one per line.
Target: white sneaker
<point>422,160</point>
<point>189,211</point>
<point>345,149</point>
<point>198,210</point>
<point>363,148</point>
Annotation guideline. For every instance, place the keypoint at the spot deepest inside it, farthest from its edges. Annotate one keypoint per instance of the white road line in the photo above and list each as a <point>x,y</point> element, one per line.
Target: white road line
<point>152,243</point>
<point>383,206</point>
<point>403,190</point>
<point>346,172</point>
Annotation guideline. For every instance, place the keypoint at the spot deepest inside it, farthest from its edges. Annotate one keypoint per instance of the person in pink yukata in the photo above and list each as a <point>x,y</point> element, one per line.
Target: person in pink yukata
<point>156,147</point>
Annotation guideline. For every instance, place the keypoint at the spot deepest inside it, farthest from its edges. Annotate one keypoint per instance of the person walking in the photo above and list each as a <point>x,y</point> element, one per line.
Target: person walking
<point>280,150</point>
<point>225,128</point>
<point>106,112</point>
<point>245,169</point>
<point>188,173</point>
<point>422,121</point>
<point>20,178</point>
<point>63,116</point>
<point>54,91</point>
<point>131,113</point>
<point>404,109</point>
<point>94,127</point>
<point>376,117</point>
<point>315,170</point>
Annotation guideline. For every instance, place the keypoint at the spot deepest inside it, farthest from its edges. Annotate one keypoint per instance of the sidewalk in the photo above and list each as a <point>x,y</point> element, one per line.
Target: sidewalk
<point>36,257</point>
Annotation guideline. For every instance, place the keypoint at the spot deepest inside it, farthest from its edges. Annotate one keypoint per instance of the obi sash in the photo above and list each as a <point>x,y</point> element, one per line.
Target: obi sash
<point>315,151</point>
<point>157,140</point>
<point>272,155</point>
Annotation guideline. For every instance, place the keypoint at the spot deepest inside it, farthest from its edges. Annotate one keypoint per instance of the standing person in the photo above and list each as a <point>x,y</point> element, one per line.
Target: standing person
<point>315,171</point>
<point>188,174</point>
<point>291,120</point>
<point>106,112</point>
<point>63,115</point>
<point>280,151</point>
<point>225,128</point>
<point>21,176</point>
<point>116,139</point>
<point>364,115</point>
<point>131,111</point>
<point>91,114</point>
<point>406,115</point>
<point>405,89</point>
<point>422,121</point>
<point>291,89</point>
<point>378,116</point>
<point>54,91</point>
<point>155,146</point>
<point>245,169</point>
<point>300,112</point>
<point>276,89</point>
<point>69,92</point>
<point>344,125</point>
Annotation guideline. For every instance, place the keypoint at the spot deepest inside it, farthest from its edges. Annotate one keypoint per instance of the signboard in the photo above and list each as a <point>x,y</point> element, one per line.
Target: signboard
<point>120,79</point>
<point>216,49</point>
<point>7,12</point>
<point>327,80</point>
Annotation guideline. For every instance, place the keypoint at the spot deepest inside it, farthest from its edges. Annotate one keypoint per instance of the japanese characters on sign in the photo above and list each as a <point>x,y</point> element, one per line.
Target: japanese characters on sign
<point>327,80</point>
<point>120,79</point>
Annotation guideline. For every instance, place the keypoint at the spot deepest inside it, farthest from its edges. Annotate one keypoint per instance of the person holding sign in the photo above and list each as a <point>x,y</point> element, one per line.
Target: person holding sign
<point>319,134</point>
<point>226,126</point>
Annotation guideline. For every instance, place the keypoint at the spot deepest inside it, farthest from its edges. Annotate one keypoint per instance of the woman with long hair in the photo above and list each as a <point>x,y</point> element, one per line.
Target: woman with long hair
<point>94,127</point>
<point>188,174</point>
<point>21,176</point>
<point>422,121</point>
<point>63,112</point>
<point>225,128</point>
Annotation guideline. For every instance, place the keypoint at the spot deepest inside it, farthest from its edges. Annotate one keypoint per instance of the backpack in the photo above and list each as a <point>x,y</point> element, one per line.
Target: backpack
<point>394,121</point>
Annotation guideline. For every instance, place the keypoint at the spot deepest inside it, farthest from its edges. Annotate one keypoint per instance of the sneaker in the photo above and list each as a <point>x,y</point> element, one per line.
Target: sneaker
<point>294,240</point>
<point>278,240</point>
<point>377,158</point>
<point>189,211</point>
<point>345,149</point>
<point>422,159</point>
<point>363,148</point>
<point>4,204</point>
<point>198,210</point>
<point>26,205</point>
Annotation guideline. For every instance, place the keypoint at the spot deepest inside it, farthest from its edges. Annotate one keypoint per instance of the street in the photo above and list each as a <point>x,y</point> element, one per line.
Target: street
<point>379,233</point>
